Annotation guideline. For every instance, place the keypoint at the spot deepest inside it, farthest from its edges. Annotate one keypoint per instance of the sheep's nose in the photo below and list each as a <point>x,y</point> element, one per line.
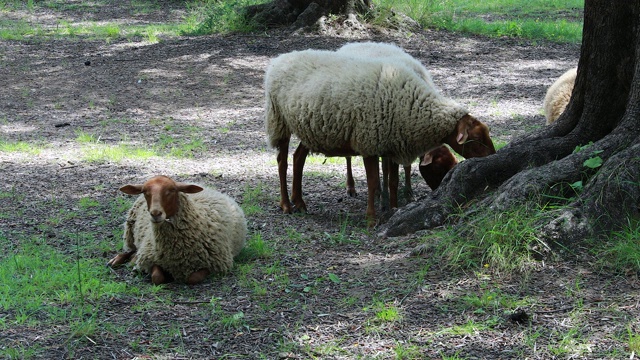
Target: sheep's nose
<point>156,216</point>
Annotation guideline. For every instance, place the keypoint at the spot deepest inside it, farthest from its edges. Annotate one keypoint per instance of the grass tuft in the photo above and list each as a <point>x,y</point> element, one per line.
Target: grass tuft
<point>559,21</point>
<point>501,242</point>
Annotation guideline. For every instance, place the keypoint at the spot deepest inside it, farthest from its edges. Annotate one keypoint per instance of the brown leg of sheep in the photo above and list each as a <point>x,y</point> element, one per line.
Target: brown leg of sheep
<point>394,179</point>
<point>351,185</point>
<point>283,153</point>
<point>408,191</point>
<point>299,157</point>
<point>157,275</point>
<point>372,169</point>
<point>120,259</point>
<point>198,276</point>
<point>384,189</point>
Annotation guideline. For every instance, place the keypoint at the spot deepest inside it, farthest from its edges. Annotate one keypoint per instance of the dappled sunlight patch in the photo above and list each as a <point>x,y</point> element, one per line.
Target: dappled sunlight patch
<point>16,128</point>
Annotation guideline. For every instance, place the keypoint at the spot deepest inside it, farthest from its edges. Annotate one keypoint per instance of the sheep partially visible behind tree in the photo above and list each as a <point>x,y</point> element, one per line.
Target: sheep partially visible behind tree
<point>181,231</point>
<point>558,95</point>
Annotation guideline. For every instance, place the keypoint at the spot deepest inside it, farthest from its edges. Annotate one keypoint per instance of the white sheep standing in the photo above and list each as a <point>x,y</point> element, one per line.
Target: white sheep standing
<point>181,231</point>
<point>343,105</point>
<point>387,52</point>
<point>558,95</point>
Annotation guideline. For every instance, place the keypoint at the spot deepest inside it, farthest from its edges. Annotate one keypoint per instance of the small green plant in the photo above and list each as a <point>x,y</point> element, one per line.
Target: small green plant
<point>20,146</point>
<point>633,341</point>
<point>622,250</point>
<point>384,313</point>
<point>84,138</point>
<point>570,345</point>
<point>471,327</point>
<point>251,199</point>
<point>256,248</point>
<point>233,321</point>
<point>504,241</point>
<point>211,17</point>
<point>342,236</point>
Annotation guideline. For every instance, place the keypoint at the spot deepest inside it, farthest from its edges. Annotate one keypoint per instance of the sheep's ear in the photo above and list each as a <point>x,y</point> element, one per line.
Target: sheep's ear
<point>464,124</point>
<point>188,188</point>
<point>426,159</point>
<point>132,189</point>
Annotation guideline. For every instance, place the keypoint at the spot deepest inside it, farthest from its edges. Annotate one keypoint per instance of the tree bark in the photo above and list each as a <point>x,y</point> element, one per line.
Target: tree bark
<point>302,13</point>
<point>544,167</point>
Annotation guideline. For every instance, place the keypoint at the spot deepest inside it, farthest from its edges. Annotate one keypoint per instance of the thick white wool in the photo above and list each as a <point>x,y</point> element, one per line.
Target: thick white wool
<point>208,231</point>
<point>387,52</point>
<point>332,101</point>
<point>558,95</point>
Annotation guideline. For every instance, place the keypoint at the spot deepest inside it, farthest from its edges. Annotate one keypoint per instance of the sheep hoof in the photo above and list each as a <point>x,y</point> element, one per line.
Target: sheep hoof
<point>299,210</point>
<point>157,275</point>
<point>120,259</point>
<point>409,196</point>
<point>286,208</point>
<point>197,277</point>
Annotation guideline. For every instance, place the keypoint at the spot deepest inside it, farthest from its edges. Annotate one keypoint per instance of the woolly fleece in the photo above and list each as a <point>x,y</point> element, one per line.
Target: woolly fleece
<point>375,107</point>
<point>558,95</point>
<point>208,231</point>
<point>389,52</point>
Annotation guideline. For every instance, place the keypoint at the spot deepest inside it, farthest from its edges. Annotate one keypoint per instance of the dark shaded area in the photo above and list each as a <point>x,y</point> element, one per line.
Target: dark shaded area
<point>603,111</point>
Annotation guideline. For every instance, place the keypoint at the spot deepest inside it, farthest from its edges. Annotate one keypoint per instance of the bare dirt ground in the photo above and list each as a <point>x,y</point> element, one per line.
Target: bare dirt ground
<point>210,89</point>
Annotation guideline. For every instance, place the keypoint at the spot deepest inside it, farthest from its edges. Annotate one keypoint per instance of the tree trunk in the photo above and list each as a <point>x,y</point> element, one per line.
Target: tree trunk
<point>302,13</point>
<point>544,167</point>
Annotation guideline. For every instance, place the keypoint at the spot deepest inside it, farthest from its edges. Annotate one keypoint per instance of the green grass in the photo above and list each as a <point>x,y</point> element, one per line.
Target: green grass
<point>537,19</point>
<point>100,153</point>
<point>503,242</point>
<point>200,18</point>
<point>621,251</point>
<point>40,274</point>
<point>633,341</point>
<point>94,151</point>
<point>256,248</point>
<point>252,198</point>
<point>383,313</point>
<point>20,146</point>
<point>217,17</point>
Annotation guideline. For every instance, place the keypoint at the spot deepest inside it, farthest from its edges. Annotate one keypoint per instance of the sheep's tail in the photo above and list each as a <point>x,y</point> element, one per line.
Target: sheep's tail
<point>274,123</point>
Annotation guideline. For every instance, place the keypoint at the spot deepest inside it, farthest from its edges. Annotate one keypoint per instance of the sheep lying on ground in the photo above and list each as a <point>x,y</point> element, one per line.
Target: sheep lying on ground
<point>342,105</point>
<point>558,95</point>
<point>435,164</point>
<point>181,231</point>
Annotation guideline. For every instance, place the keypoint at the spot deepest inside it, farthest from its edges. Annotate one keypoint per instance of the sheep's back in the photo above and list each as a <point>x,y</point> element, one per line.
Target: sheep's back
<point>387,52</point>
<point>376,108</point>
<point>223,210</point>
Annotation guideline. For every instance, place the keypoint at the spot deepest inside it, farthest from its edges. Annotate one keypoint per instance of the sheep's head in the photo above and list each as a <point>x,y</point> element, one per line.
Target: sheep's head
<point>161,193</point>
<point>470,138</point>
<point>435,164</point>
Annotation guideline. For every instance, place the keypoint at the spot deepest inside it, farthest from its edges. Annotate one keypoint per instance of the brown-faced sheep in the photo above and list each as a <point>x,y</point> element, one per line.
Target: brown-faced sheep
<point>181,231</point>
<point>435,164</point>
<point>341,105</point>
